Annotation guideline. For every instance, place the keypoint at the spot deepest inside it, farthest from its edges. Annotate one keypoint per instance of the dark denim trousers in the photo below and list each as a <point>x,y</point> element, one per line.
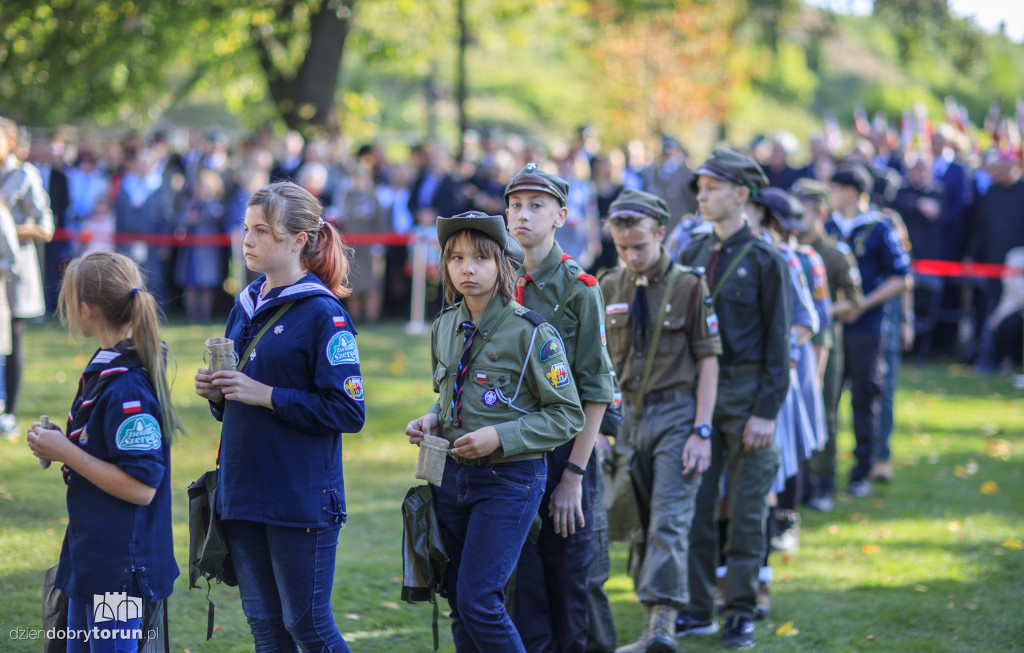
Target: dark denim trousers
<point>865,368</point>
<point>485,513</point>
<point>285,576</point>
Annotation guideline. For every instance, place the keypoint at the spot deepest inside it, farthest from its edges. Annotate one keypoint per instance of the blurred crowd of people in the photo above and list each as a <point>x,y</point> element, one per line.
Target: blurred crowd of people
<point>145,195</point>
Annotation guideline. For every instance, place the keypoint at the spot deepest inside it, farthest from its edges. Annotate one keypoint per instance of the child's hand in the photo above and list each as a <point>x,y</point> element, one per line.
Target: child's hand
<point>477,444</point>
<point>205,387</point>
<point>49,444</point>
<point>426,425</point>
<point>236,386</point>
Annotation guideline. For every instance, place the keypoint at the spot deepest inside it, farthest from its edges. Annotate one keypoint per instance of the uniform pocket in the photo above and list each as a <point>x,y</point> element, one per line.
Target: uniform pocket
<point>620,334</point>
<point>670,338</point>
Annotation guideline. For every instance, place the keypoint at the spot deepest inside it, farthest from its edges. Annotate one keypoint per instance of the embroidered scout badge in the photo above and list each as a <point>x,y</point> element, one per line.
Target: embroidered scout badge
<point>712,322</point>
<point>342,349</point>
<point>614,309</point>
<point>354,387</point>
<point>138,433</point>
<point>279,329</point>
<point>604,338</point>
<point>83,439</point>
<point>552,349</point>
<point>559,375</point>
<point>490,398</point>
<point>339,320</point>
<point>617,400</point>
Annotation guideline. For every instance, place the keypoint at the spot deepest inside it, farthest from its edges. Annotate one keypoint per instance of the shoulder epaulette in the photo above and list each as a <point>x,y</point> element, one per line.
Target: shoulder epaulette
<point>533,317</point>
<point>587,279</point>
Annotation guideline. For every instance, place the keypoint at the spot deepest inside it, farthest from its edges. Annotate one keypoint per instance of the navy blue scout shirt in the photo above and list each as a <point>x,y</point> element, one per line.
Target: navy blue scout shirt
<point>112,545</point>
<point>283,466</point>
<point>880,254</point>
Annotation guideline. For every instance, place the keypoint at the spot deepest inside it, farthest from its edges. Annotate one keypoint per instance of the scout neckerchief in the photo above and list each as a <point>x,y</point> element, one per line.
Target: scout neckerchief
<point>673,274</point>
<point>105,366</point>
<point>460,376</point>
<point>719,281</point>
<point>449,405</point>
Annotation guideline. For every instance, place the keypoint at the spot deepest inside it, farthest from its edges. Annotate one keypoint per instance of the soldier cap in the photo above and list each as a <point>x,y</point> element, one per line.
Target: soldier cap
<point>638,204</point>
<point>732,167</point>
<point>533,177</point>
<point>492,226</point>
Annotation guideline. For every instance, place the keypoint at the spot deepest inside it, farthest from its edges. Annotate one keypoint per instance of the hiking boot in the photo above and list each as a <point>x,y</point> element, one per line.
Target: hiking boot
<point>859,489</point>
<point>764,600</point>
<point>663,630</point>
<point>738,632</point>
<point>787,537</point>
<point>640,645</point>
<point>687,624</point>
<point>881,471</point>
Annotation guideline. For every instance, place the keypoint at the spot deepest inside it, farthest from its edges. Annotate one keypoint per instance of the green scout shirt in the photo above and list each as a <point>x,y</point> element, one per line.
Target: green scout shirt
<point>753,312</point>
<point>581,325</point>
<point>549,406</point>
<point>690,331</point>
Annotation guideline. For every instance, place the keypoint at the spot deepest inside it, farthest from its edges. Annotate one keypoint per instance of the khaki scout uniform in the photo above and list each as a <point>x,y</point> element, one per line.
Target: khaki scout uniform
<point>539,614</point>
<point>657,436</point>
<point>503,387</point>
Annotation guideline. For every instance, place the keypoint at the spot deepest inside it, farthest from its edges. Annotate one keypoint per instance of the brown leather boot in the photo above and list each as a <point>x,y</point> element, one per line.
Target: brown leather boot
<point>663,630</point>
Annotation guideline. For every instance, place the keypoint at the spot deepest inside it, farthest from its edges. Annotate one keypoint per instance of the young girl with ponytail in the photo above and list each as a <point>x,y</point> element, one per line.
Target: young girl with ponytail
<point>280,493</point>
<point>116,463</point>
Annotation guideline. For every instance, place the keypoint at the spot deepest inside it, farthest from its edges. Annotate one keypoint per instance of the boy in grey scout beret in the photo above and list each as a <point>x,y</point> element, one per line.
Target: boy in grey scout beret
<point>559,597</point>
<point>664,344</point>
<point>506,397</point>
<point>732,167</point>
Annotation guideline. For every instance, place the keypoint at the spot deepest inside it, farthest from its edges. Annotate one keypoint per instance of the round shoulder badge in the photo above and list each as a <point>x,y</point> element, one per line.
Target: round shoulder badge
<point>342,350</point>
<point>139,433</point>
<point>354,387</point>
<point>490,398</point>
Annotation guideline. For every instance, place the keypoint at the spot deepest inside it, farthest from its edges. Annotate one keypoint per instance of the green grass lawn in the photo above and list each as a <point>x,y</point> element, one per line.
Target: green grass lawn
<point>931,562</point>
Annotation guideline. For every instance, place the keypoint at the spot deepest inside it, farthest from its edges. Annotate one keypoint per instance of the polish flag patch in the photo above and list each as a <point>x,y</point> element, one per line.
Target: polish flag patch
<point>131,407</point>
<point>615,309</point>
<point>482,378</point>
<point>339,320</point>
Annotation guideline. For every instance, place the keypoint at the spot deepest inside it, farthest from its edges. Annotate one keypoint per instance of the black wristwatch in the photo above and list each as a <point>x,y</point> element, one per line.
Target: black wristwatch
<point>703,430</point>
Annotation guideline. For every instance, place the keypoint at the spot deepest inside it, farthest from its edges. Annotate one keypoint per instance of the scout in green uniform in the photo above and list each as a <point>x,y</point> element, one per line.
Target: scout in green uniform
<point>844,284</point>
<point>506,397</point>
<point>750,286</point>
<point>550,603</point>
<point>664,344</point>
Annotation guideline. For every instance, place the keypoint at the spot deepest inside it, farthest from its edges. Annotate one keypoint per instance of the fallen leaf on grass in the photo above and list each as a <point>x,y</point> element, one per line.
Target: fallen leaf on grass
<point>869,549</point>
<point>873,638</point>
<point>923,439</point>
<point>989,488</point>
<point>787,630</point>
<point>960,472</point>
<point>920,588</point>
<point>352,617</point>
<point>390,604</point>
<point>956,526</point>
<point>990,429</point>
<point>884,534</point>
<point>999,448</point>
<point>836,555</point>
<point>833,529</point>
<point>970,606</point>
<point>1013,544</point>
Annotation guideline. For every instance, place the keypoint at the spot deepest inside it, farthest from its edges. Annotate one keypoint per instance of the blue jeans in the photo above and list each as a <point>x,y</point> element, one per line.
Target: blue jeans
<point>485,513</point>
<point>891,354</point>
<point>285,576</point>
<point>86,635</point>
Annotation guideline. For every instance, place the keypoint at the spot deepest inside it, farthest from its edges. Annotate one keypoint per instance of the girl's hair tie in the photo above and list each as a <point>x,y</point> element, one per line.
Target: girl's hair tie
<point>133,292</point>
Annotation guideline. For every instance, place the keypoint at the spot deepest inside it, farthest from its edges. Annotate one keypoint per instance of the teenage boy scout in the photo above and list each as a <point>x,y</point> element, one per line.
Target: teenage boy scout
<point>663,341</point>
<point>844,286</point>
<point>550,603</point>
<point>749,284</point>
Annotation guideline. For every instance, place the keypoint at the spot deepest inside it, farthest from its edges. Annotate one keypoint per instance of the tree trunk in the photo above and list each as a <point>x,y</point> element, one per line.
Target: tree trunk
<point>307,98</point>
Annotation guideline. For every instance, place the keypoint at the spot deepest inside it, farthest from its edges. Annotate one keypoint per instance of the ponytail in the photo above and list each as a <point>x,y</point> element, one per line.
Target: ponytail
<point>112,284</point>
<point>329,260</point>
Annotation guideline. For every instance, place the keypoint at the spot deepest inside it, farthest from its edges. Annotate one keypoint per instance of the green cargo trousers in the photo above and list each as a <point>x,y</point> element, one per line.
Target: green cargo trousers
<point>750,476</point>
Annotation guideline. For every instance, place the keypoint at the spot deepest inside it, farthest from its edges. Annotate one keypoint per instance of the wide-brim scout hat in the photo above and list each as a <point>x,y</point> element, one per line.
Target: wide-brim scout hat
<point>492,226</point>
<point>783,207</point>
<point>854,174</point>
<point>810,190</point>
<point>533,177</point>
<point>732,167</point>
<point>638,204</point>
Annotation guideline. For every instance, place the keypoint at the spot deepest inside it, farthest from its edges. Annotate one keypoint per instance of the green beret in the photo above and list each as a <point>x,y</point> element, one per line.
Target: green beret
<point>732,167</point>
<point>808,189</point>
<point>638,204</point>
<point>786,209</point>
<point>492,226</point>
<point>533,177</point>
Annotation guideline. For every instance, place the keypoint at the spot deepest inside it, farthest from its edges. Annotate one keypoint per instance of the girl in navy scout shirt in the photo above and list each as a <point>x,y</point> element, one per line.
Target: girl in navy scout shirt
<point>117,561</point>
<point>281,493</point>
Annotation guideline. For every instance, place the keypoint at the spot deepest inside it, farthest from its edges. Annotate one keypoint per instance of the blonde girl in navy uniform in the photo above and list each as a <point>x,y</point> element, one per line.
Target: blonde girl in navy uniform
<point>116,463</point>
<point>281,492</point>
<point>506,397</point>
